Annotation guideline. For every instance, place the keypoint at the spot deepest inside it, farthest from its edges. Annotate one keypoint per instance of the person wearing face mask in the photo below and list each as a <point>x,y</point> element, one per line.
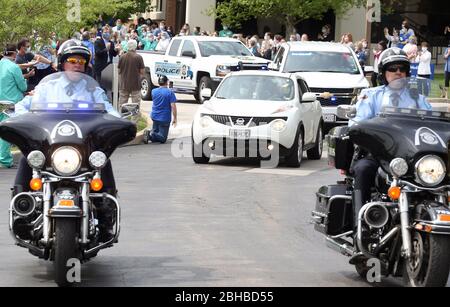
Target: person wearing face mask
<point>150,42</point>
<point>424,70</point>
<point>225,32</point>
<point>12,87</point>
<point>161,29</point>
<point>27,61</point>
<point>411,49</point>
<point>405,33</point>
<point>164,42</point>
<point>120,28</point>
<point>105,51</point>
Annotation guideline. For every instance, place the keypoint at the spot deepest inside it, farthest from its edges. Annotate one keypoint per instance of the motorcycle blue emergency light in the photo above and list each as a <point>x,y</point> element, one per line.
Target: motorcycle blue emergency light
<point>52,105</point>
<point>83,106</point>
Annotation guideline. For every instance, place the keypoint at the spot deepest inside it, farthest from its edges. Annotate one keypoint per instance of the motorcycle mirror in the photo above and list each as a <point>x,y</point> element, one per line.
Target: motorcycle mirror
<point>346,111</point>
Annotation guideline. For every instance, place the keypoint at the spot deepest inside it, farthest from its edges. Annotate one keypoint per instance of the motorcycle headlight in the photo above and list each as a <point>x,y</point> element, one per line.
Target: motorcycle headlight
<point>430,170</point>
<point>399,167</point>
<point>36,159</point>
<point>278,125</point>
<point>66,161</point>
<point>98,160</point>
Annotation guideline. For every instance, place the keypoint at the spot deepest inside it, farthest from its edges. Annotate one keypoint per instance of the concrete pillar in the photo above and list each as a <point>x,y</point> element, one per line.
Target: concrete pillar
<point>196,16</point>
<point>353,22</point>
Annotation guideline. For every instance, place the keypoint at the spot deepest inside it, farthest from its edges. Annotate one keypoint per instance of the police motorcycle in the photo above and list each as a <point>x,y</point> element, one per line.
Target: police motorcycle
<point>67,144</point>
<point>405,226</point>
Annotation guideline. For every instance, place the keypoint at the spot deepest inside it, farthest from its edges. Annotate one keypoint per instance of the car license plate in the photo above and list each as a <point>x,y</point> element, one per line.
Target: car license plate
<point>329,118</point>
<point>240,134</point>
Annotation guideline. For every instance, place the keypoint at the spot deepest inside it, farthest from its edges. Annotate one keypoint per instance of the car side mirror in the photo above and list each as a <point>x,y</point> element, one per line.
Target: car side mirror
<point>346,111</point>
<point>188,54</point>
<point>206,93</point>
<point>308,97</point>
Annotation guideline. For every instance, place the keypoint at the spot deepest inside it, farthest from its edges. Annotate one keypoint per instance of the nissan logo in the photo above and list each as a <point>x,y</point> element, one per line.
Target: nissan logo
<point>240,122</point>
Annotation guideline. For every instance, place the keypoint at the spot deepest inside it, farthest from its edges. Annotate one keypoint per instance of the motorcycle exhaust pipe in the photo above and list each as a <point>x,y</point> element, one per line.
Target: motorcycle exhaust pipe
<point>24,204</point>
<point>376,215</point>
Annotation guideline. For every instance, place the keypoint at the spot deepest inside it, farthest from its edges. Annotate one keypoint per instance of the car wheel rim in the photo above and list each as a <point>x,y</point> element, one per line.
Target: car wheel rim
<point>300,148</point>
<point>320,142</point>
<point>202,86</point>
<point>144,87</point>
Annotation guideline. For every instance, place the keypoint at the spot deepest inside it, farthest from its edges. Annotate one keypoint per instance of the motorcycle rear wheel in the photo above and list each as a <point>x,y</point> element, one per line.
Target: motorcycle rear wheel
<point>65,248</point>
<point>429,264</point>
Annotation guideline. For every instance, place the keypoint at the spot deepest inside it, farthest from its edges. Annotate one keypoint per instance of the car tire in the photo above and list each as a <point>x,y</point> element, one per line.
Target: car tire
<point>295,158</point>
<point>315,153</point>
<point>205,82</point>
<point>198,155</point>
<point>146,88</point>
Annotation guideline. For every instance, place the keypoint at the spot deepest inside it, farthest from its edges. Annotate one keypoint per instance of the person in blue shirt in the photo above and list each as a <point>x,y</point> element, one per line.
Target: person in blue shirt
<point>164,104</point>
<point>405,33</point>
<point>394,68</point>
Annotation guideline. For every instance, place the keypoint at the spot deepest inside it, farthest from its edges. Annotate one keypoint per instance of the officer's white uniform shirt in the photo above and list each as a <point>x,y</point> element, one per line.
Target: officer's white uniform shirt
<point>62,90</point>
<point>372,100</point>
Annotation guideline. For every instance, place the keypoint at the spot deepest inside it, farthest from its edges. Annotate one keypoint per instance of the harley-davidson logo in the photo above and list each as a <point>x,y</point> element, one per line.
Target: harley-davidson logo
<point>427,136</point>
<point>66,128</point>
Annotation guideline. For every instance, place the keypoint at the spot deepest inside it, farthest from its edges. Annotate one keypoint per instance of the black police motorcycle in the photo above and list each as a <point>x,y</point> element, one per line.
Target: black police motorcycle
<point>67,143</point>
<point>406,224</point>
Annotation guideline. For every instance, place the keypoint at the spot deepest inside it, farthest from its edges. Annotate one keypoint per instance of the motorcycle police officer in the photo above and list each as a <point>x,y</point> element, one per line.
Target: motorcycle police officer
<point>394,68</point>
<point>73,58</point>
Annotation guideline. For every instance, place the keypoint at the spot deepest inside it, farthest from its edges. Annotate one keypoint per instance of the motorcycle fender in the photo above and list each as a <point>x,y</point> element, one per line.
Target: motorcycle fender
<point>432,218</point>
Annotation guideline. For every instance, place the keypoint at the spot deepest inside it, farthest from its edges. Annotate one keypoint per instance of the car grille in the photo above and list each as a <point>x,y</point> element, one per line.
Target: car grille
<point>338,101</point>
<point>242,120</point>
<point>332,90</point>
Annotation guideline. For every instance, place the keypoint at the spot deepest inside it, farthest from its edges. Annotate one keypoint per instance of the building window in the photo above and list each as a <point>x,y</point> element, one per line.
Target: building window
<point>159,5</point>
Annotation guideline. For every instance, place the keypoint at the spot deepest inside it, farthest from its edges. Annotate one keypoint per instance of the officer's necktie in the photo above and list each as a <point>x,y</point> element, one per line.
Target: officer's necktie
<point>395,99</point>
<point>70,89</point>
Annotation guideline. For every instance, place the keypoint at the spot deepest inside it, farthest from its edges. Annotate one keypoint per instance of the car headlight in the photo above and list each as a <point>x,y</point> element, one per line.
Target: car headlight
<point>66,161</point>
<point>278,125</point>
<point>399,167</point>
<point>36,159</point>
<point>206,121</point>
<point>97,160</point>
<point>430,170</point>
<point>223,70</point>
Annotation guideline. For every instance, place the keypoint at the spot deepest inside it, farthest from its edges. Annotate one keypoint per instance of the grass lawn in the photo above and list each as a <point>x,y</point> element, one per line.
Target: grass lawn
<point>435,91</point>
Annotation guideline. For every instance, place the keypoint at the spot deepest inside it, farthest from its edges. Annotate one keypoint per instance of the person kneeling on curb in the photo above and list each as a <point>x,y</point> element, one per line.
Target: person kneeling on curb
<point>164,104</point>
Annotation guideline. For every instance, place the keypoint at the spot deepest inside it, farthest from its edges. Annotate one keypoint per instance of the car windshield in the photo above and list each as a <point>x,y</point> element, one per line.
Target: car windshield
<point>321,61</point>
<point>264,88</point>
<point>223,48</point>
<point>68,91</point>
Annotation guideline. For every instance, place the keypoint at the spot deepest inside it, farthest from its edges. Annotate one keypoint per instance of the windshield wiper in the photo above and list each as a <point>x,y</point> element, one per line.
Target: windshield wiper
<point>219,97</point>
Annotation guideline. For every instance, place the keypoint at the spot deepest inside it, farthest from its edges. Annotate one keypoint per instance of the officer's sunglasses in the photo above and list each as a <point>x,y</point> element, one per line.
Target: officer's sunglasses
<point>395,68</point>
<point>76,61</point>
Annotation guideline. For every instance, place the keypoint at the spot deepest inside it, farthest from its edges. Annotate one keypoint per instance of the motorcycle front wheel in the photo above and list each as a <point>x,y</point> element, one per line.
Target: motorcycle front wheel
<point>65,248</point>
<point>429,263</point>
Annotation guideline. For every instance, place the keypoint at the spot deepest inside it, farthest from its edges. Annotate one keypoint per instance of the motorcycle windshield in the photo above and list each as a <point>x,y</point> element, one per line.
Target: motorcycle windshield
<point>404,129</point>
<point>68,92</point>
<point>67,109</point>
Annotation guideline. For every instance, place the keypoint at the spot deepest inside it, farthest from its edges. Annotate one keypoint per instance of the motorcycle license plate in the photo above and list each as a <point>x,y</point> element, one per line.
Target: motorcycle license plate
<point>329,118</point>
<point>240,134</point>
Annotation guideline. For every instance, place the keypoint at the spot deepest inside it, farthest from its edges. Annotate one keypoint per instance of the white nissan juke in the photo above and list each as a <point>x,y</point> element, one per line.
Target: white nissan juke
<point>259,114</point>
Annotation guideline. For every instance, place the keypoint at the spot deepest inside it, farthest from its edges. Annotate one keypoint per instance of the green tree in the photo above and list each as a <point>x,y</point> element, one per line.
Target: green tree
<point>287,12</point>
<point>33,18</point>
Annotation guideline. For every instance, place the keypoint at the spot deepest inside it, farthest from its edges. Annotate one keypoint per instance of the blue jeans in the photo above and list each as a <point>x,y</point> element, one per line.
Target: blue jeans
<point>159,132</point>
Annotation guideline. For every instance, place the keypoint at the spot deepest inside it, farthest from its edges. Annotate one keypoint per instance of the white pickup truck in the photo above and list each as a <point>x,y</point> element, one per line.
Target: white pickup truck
<point>331,70</point>
<point>197,62</point>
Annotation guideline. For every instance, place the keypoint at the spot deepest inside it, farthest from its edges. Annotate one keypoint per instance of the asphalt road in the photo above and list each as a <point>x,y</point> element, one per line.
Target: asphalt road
<point>229,223</point>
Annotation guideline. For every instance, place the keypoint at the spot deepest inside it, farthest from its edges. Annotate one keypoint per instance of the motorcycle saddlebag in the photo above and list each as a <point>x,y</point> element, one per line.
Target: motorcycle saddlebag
<point>333,217</point>
<point>340,148</point>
